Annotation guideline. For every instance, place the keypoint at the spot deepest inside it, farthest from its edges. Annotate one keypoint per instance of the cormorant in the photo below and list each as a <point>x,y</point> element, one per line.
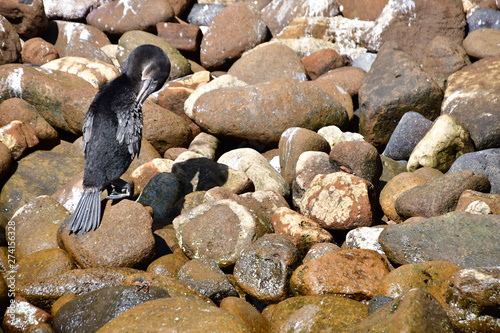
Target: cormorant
<point>112,131</point>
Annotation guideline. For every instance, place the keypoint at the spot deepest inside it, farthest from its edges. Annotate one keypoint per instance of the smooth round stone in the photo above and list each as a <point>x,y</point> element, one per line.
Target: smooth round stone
<point>484,18</point>
<point>483,43</point>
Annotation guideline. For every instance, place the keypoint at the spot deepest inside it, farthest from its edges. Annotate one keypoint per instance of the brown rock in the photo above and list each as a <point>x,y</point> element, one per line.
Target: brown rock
<point>393,189</point>
<point>76,281</point>
<point>440,195</point>
<point>105,246</point>
<point>469,196</point>
<point>236,29</point>
<point>62,99</point>
<point>38,51</point>
<point>302,231</point>
<point>339,201</point>
<point>404,19</point>
<point>180,6</point>
<point>184,37</point>
<point>263,269</point>
<point>430,276</point>
<point>18,109</point>
<point>338,94</point>
<point>394,85</point>
<point>43,264</point>
<point>77,40</point>
<point>252,318</point>
<point>464,99</point>
<point>168,264</point>
<point>293,142</point>
<point>364,10</point>
<point>266,110</point>
<point>348,78</point>
<point>325,313</point>
<point>415,311</point>
<point>267,62</point>
<point>6,161</point>
<point>143,174</point>
<point>352,273</point>
<point>11,48</point>
<point>175,314</point>
<point>36,225</point>
<point>28,18</point>
<point>321,62</point>
<point>18,137</point>
<point>442,58</point>
<point>358,157</point>
<point>118,17</point>
<point>483,43</point>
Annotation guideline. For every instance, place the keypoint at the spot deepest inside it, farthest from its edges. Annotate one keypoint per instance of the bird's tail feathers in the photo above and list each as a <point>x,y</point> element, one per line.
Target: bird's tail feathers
<point>87,215</point>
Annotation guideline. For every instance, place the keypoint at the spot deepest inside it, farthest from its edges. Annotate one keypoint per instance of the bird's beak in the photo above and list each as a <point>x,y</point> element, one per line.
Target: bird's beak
<point>147,87</point>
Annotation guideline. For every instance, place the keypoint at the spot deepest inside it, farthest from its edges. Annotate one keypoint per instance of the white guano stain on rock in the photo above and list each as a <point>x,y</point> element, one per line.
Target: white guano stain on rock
<point>13,83</point>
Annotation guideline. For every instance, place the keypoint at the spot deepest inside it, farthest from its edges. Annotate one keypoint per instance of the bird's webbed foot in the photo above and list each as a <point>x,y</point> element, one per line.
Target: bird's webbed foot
<point>119,189</point>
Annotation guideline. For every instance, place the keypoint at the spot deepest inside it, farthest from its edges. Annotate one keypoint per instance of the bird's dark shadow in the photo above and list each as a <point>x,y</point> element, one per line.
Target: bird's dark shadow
<point>200,174</point>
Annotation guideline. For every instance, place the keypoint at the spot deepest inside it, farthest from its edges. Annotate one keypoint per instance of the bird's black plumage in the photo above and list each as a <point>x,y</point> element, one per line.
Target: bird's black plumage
<point>112,129</point>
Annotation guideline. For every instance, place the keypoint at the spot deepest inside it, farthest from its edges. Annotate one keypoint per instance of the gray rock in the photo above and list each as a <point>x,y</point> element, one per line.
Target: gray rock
<point>206,277</point>
<point>464,239</point>
<point>89,312</point>
<point>364,238</point>
<point>485,161</point>
<point>203,14</point>
<point>484,18</point>
<point>161,194</point>
<point>263,269</point>
<point>365,61</point>
<point>410,130</point>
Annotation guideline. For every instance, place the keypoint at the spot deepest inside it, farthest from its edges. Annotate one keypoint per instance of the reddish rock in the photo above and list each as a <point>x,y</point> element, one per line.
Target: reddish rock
<point>348,78</point>
<point>11,46</point>
<point>483,43</point>
<point>359,158</point>
<point>321,62</point>
<point>252,318</point>
<point>38,51</point>
<point>20,315</point>
<point>27,17</point>
<point>364,10</point>
<point>168,265</point>
<point>236,29</point>
<point>469,196</point>
<point>339,201</point>
<point>184,37</point>
<point>120,17</point>
<point>5,161</point>
<point>18,137</point>
<point>352,273</point>
<point>180,6</point>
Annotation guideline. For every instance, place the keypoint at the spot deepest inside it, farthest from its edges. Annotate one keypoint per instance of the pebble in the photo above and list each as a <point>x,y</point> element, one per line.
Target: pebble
<point>220,136</point>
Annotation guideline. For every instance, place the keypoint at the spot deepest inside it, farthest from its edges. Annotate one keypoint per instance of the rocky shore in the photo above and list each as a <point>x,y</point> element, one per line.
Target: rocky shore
<point>310,166</point>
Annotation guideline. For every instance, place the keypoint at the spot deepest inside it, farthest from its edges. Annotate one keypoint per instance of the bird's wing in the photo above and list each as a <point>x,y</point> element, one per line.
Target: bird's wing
<point>130,129</point>
<point>87,129</point>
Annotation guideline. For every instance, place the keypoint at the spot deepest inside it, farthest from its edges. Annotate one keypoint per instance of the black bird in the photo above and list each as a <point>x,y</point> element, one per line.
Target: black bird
<point>112,131</point>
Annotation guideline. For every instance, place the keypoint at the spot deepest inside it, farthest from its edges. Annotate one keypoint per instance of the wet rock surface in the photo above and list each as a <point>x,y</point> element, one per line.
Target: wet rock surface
<point>310,166</point>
